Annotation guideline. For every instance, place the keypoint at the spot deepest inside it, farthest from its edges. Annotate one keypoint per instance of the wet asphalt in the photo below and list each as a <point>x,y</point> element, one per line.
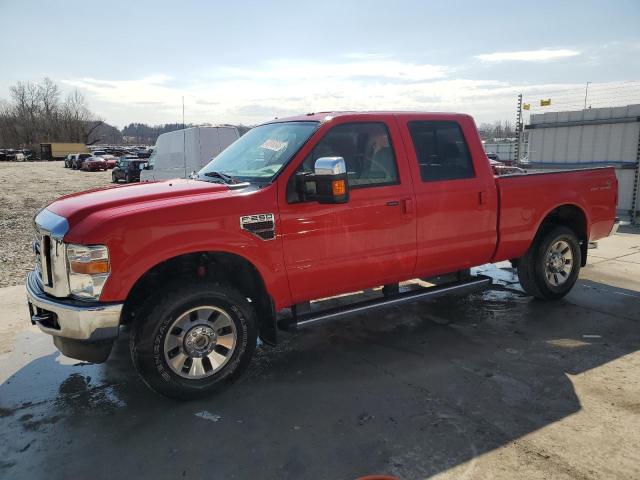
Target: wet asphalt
<point>411,391</point>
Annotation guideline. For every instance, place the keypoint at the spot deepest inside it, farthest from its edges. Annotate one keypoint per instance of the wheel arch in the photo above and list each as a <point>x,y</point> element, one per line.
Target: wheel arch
<point>571,216</point>
<point>230,268</point>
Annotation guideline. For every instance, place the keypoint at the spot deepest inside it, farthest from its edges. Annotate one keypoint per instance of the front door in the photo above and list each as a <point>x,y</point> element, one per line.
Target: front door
<point>368,241</point>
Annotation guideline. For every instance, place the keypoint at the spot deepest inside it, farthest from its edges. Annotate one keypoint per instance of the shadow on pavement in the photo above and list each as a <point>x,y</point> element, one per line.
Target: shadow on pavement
<point>387,393</point>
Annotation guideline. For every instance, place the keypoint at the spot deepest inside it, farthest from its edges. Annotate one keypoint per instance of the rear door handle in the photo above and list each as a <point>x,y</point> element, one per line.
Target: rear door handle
<point>394,203</point>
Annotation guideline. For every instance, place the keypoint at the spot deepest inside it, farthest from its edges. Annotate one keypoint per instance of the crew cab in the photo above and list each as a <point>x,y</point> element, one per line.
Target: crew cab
<point>297,210</point>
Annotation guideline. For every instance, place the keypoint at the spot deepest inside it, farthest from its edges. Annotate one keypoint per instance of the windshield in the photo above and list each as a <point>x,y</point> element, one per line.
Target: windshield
<point>261,152</point>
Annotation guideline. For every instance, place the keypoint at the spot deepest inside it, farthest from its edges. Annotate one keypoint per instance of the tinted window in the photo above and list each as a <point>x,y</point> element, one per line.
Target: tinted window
<point>366,149</point>
<point>441,151</point>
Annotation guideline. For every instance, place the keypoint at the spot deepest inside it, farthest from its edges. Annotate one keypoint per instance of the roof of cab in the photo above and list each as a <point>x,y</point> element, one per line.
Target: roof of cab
<point>329,115</point>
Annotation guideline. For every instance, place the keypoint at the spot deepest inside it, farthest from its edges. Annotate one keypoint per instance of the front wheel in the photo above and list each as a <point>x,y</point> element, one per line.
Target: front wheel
<point>193,339</point>
<point>113,178</point>
<point>551,266</point>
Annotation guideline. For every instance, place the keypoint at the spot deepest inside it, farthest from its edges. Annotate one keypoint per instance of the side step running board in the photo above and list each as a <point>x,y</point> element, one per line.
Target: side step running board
<point>469,285</point>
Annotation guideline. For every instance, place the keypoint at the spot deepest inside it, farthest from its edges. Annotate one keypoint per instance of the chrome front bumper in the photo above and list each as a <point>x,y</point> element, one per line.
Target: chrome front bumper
<point>80,329</point>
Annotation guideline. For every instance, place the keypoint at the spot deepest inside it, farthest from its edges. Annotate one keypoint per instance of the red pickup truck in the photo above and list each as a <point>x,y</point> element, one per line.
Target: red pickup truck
<point>297,210</point>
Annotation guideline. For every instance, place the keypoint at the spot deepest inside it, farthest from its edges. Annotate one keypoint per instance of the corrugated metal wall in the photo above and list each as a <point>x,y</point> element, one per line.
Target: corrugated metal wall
<point>588,138</point>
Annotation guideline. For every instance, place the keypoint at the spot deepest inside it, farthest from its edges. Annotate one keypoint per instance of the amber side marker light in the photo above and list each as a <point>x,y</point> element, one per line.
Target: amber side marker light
<point>338,187</point>
<point>90,268</point>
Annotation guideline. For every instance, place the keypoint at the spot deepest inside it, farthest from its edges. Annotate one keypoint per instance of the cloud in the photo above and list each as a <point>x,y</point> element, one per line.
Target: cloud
<point>365,67</point>
<point>273,88</point>
<point>543,55</point>
<point>281,88</point>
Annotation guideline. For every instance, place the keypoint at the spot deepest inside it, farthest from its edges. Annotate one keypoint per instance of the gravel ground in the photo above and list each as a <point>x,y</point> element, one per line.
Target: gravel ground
<point>27,187</point>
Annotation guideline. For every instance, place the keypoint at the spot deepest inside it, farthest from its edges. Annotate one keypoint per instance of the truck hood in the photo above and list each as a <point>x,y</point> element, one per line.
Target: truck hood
<point>79,205</point>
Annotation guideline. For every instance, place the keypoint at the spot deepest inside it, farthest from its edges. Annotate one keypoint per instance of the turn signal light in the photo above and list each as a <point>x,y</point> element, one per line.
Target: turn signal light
<point>338,187</point>
<point>90,268</point>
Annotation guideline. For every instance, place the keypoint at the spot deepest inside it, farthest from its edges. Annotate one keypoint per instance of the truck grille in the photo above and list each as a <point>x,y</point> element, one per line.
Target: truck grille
<point>50,253</point>
<point>42,249</point>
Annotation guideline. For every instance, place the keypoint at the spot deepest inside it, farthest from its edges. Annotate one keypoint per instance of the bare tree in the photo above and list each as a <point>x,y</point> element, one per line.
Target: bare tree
<point>35,113</point>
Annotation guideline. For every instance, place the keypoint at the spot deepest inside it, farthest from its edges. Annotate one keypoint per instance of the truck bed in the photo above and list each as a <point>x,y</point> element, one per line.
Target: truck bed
<point>525,199</point>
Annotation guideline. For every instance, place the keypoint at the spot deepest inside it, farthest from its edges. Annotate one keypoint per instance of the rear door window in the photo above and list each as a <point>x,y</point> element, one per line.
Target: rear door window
<point>441,151</point>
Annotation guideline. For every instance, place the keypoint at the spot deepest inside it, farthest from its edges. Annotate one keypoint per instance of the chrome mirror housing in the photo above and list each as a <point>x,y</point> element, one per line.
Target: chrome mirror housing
<point>330,166</point>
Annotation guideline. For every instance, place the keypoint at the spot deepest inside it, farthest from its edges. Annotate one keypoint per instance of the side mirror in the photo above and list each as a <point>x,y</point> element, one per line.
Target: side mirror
<point>328,183</point>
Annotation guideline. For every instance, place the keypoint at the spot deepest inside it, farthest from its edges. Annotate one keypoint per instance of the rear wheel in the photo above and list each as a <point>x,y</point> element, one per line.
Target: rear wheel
<point>551,266</point>
<point>193,339</point>
<point>127,178</point>
<point>113,178</point>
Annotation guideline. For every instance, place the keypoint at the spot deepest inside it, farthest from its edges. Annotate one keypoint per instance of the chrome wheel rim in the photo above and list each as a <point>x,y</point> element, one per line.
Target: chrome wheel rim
<point>200,342</point>
<point>558,263</point>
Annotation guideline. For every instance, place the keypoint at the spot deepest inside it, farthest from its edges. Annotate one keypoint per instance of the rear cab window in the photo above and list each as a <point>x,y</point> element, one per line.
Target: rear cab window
<point>441,150</point>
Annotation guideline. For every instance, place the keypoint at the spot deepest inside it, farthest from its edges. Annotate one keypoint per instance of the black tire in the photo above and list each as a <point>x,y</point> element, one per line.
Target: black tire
<point>532,268</point>
<point>127,178</point>
<point>113,178</point>
<point>148,334</point>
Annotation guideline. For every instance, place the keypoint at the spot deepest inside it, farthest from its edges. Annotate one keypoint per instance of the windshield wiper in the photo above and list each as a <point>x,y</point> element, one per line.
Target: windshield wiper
<point>225,178</point>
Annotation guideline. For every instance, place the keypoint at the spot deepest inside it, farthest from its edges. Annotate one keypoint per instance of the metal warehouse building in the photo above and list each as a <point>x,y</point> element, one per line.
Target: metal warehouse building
<point>591,138</point>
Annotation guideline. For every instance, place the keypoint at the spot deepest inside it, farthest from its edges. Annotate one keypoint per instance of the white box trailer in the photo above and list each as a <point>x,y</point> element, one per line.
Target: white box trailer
<point>179,153</point>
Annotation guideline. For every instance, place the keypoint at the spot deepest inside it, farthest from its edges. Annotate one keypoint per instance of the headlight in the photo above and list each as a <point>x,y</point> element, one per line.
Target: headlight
<point>88,270</point>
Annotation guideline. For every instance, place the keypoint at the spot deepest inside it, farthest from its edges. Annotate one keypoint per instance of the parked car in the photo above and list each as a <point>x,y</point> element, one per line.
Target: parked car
<point>77,159</point>
<point>93,164</point>
<point>10,154</point>
<point>111,160</point>
<point>127,169</point>
<point>68,159</point>
<point>298,210</point>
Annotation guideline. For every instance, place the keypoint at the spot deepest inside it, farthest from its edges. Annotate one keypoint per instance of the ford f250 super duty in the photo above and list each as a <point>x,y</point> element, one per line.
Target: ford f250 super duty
<point>297,210</point>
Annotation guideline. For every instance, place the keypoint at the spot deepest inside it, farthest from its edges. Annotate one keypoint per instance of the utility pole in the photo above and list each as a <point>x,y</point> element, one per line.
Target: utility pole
<point>635,199</point>
<point>519,131</point>
<point>184,141</point>
<point>586,92</point>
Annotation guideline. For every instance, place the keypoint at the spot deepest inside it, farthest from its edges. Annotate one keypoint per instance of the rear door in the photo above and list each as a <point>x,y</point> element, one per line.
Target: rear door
<point>369,241</point>
<point>456,200</point>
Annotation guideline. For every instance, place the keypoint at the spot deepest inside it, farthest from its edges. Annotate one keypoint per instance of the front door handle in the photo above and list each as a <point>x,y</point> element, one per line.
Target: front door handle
<point>394,203</point>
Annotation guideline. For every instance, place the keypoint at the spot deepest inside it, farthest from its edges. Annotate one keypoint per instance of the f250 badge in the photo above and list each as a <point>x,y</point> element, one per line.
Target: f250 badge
<point>262,225</point>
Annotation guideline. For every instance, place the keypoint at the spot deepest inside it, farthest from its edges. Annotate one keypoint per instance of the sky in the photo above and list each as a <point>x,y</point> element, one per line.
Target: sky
<point>250,61</point>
